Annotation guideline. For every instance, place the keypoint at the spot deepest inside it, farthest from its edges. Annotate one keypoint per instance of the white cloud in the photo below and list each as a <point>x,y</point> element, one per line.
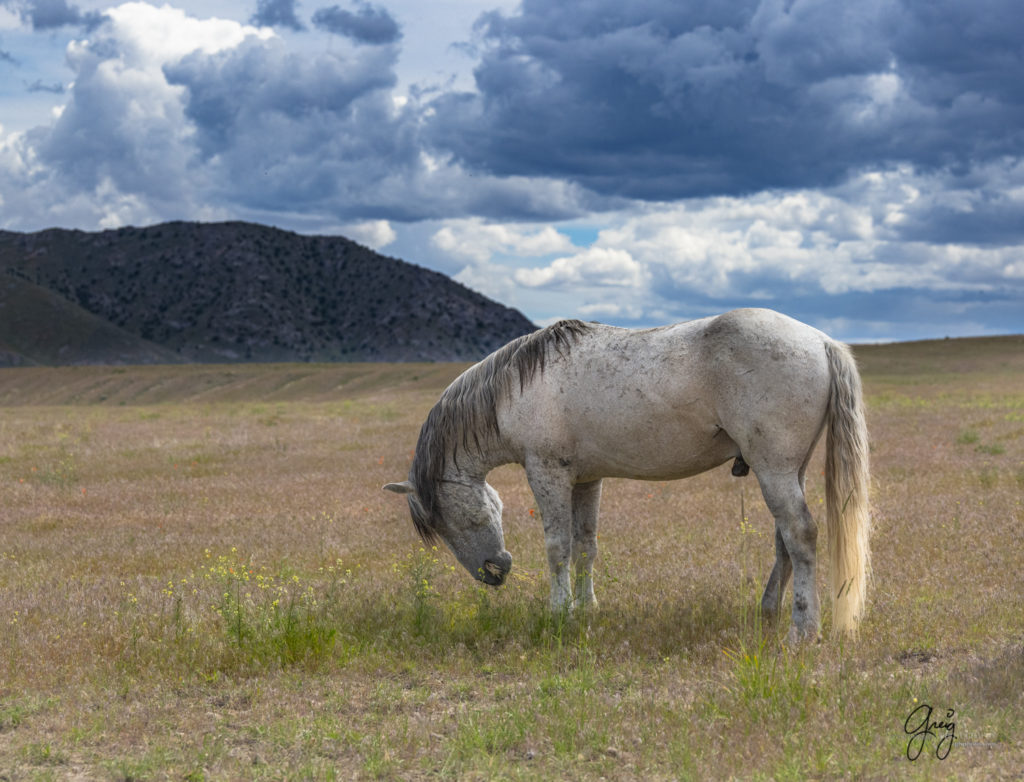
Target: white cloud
<point>479,241</point>
<point>9,20</point>
<point>151,37</point>
<point>770,249</point>
<point>375,234</point>
<point>120,208</point>
<point>491,280</point>
<point>600,266</point>
<point>715,245</point>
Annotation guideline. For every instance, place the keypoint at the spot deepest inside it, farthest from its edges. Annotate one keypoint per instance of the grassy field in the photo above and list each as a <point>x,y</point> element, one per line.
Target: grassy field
<point>200,578</point>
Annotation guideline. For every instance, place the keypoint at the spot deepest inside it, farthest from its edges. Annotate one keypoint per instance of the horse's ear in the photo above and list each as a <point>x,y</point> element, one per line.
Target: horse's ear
<point>405,487</point>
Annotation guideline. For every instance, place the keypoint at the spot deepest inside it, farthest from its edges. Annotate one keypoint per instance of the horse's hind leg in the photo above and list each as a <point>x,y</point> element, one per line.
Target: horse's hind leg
<point>586,499</point>
<point>799,534</point>
<point>771,601</point>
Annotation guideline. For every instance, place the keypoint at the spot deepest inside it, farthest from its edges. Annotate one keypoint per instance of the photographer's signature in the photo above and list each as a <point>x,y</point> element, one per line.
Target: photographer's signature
<point>922,723</point>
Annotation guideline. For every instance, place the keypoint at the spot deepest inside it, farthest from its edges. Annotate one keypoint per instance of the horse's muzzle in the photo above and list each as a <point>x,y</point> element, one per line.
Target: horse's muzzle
<point>494,571</point>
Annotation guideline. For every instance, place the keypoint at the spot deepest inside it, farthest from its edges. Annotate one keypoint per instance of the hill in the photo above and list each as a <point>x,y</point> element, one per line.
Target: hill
<point>231,292</point>
<point>37,326</point>
<point>943,357</point>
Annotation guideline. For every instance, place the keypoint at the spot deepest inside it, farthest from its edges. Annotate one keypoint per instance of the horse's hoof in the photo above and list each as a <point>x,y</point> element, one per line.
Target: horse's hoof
<point>585,606</point>
<point>797,638</point>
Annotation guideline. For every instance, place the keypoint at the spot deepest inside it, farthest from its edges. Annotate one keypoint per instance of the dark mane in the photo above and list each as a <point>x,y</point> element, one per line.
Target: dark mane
<point>466,416</point>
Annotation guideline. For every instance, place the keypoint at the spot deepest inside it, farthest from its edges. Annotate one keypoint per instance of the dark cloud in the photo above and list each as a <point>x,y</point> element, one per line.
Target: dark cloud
<point>662,100</point>
<point>51,14</point>
<point>994,219</point>
<point>259,82</point>
<point>114,135</point>
<point>980,205</point>
<point>6,56</point>
<point>277,13</point>
<point>289,131</point>
<point>320,133</point>
<point>953,51</point>
<point>369,24</point>
<point>38,86</point>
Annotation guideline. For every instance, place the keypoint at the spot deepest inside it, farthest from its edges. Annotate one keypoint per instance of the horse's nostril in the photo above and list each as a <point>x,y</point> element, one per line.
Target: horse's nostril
<point>498,570</point>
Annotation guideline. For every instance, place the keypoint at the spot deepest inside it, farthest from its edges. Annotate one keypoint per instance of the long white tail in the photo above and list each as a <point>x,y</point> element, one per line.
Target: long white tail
<point>847,482</point>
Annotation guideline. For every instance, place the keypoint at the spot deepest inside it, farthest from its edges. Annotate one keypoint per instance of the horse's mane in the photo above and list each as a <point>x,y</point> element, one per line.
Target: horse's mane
<point>467,413</point>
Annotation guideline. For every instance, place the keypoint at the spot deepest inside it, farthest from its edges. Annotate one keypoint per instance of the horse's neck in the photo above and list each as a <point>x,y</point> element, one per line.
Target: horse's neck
<point>471,465</point>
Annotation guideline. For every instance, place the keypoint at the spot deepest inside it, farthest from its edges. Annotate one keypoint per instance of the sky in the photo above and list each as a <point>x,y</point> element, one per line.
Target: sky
<point>859,166</point>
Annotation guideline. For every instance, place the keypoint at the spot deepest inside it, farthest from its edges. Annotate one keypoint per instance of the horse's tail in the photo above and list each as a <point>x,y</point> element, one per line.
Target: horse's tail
<point>847,478</point>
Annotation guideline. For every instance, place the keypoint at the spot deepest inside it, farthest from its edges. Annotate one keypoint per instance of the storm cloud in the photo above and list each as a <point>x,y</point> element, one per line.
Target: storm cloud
<point>660,100</point>
<point>277,13</point>
<point>319,126</point>
<point>51,14</point>
<point>39,86</point>
<point>368,24</point>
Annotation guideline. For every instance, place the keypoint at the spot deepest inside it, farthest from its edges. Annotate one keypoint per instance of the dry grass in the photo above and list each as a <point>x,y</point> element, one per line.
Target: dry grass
<point>147,530</point>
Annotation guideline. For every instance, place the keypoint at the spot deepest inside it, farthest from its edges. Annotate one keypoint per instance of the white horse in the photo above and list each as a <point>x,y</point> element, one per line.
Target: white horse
<point>577,402</point>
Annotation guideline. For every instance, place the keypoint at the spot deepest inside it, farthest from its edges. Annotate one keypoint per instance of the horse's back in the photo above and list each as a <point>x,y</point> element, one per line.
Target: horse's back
<point>715,356</point>
<point>677,400</point>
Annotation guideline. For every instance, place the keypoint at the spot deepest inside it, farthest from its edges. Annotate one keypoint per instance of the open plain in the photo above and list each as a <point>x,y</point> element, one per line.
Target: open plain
<point>200,578</point>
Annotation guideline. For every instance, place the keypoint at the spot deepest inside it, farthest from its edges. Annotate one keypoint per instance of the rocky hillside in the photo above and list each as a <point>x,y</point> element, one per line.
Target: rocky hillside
<point>231,292</point>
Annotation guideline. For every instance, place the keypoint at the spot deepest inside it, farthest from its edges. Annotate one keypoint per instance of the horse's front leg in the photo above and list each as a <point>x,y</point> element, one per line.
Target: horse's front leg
<point>586,500</point>
<point>552,487</point>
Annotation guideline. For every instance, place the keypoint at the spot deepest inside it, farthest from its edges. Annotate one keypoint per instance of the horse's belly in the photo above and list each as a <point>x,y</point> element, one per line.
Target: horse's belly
<point>646,453</point>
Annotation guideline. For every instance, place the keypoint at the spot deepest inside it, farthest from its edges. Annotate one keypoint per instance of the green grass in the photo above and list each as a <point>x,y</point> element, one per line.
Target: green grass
<point>967,437</point>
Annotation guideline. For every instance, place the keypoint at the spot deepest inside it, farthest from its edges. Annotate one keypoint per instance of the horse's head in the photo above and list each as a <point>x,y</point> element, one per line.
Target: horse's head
<point>467,517</point>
